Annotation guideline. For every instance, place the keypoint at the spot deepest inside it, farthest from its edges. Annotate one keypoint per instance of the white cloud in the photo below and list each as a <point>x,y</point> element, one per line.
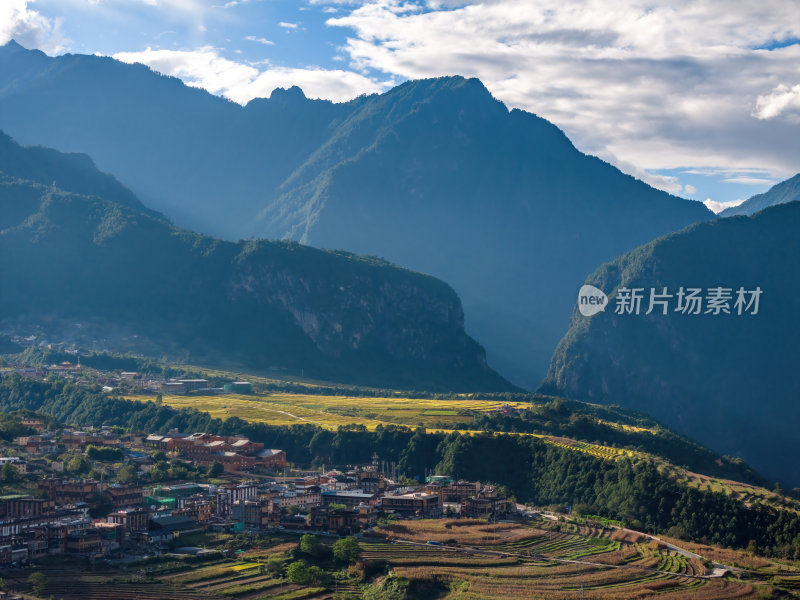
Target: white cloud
<point>29,27</point>
<point>260,40</point>
<point>203,68</point>
<point>744,180</point>
<point>335,84</point>
<point>648,86</point>
<point>718,207</point>
<point>656,84</point>
<point>781,100</point>
<point>206,68</point>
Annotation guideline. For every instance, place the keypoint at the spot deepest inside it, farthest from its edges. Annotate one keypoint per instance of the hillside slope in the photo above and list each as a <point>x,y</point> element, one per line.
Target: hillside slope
<point>435,175</point>
<point>729,381</point>
<point>104,275</point>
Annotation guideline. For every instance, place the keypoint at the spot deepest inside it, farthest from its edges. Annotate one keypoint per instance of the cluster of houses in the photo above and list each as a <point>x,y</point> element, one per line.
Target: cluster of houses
<point>42,446</point>
<point>235,453</point>
<point>259,494</point>
<point>57,520</point>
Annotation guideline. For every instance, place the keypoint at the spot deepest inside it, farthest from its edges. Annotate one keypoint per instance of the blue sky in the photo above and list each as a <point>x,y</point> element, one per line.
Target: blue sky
<point>698,97</point>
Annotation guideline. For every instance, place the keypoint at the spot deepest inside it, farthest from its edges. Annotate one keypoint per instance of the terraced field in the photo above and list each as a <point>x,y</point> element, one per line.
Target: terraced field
<point>509,561</point>
<point>218,580</point>
<point>604,452</point>
<point>747,493</point>
<point>243,581</point>
<point>81,584</point>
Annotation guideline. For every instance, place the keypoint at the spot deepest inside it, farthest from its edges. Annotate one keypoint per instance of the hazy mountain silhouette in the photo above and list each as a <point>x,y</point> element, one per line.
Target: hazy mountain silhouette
<point>435,175</point>
<point>109,276</point>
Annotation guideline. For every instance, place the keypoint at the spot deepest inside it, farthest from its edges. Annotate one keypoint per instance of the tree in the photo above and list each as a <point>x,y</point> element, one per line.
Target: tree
<point>38,581</point>
<point>178,472</point>
<point>127,474</point>
<point>346,550</point>
<point>297,572</point>
<point>104,453</point>
<point>215,469</point>
<point>78,465</point>
<point>100,506</point>
<point>310,545</point>
<point>9,473</point>
<point>158,473</point>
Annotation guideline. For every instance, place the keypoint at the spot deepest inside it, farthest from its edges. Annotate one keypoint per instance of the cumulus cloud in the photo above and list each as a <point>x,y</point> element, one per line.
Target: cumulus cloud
<point>718,207</point>
<point>203,68</point>
<point>29,27</point>
<point>206,68</point>
<point>782,100</point>
<point>287,25</point>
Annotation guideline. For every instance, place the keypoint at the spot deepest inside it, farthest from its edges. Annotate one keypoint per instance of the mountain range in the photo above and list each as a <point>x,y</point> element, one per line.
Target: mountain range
<point>785,191</point>
<point>82,260</point>
<point>728,380</point>
<point>435,175</point>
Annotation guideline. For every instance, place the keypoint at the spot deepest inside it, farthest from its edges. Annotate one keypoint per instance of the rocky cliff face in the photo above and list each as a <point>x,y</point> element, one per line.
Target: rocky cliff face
<point>334,312</point>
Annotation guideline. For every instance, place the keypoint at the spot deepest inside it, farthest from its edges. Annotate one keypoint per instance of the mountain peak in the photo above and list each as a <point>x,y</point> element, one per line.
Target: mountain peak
<point>287,94</point>
<point>12,44</point>
<point>431,85</point>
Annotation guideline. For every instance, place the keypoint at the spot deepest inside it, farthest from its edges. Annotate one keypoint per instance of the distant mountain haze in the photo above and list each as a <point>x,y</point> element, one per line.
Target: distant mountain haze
<point>785,191</point>
<point>107,275</point>
<point>435,175</point>
<point>729,381</point>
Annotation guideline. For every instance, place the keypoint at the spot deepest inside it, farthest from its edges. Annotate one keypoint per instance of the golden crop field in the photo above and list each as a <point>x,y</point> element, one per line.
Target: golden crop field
<point>331,412</point>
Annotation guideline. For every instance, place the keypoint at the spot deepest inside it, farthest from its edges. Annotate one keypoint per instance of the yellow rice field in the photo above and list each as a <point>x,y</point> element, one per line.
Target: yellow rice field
<point>331,412</point>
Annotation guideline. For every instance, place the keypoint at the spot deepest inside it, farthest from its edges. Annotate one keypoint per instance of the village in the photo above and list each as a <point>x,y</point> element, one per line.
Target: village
<point>247,488</point>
